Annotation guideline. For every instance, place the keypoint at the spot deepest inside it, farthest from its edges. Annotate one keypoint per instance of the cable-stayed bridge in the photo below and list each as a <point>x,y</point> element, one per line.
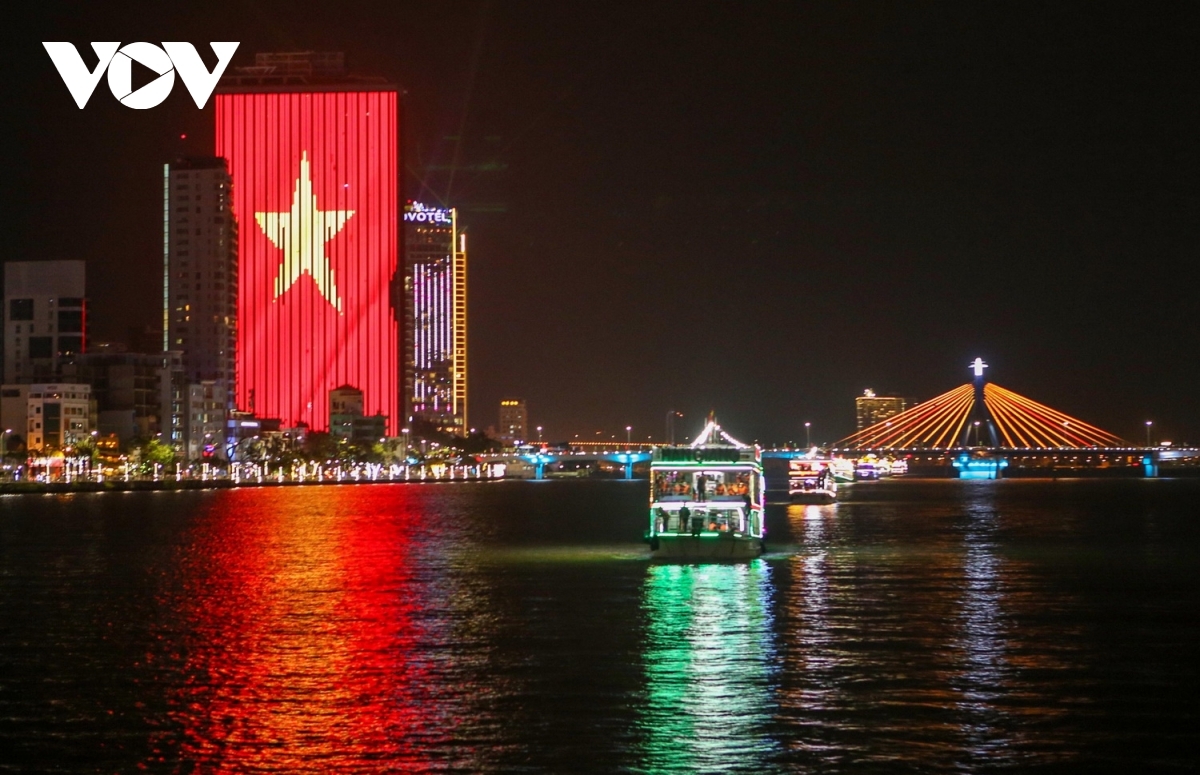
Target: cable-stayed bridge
<point>981,429</point>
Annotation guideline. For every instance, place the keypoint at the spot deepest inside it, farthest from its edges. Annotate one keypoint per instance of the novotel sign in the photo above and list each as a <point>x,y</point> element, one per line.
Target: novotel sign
<point>416,212</point>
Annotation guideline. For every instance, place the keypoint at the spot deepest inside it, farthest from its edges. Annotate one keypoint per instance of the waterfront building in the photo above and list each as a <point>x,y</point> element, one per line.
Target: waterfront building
<point>435,298</point>
<point>206,421</point>
<point>45,318</point>
<point>871,408</point>
<point>137,395</point>
<point>48,415</point>
<point>14,411</point>
<point>314,157</point>
<point>347,420</point>
<point>200,282</point>
<point>514,420</point>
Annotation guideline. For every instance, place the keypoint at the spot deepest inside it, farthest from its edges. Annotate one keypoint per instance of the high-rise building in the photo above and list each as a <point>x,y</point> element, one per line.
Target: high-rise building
<point>315,160</point>
<point>514,420</point>
<point>435,337</point>
<point>45,318</point>
<point>200,263</point>
<point>871,408</point>
<point>200,287</point>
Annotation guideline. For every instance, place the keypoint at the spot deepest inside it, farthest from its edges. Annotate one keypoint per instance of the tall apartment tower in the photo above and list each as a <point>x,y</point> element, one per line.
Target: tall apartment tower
<point>200,291</point>
<point>435,300</point>
<point>314,152</point>
<point>870,408</point>
<point>45,318</point>
<point>200,269</point>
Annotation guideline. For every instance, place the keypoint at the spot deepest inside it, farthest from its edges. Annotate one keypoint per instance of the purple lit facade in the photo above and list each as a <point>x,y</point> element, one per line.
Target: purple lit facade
<point>435,299</point>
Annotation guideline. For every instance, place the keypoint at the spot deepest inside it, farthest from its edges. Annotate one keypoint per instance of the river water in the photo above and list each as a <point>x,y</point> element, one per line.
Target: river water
<point>518,627</point>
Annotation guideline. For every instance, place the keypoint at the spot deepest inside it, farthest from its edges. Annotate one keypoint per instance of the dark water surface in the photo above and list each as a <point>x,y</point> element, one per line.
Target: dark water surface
<point>517,626</point>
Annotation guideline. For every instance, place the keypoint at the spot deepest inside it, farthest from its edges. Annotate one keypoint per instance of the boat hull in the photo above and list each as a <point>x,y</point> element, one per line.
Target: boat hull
<point>818,497</point>
<point>719,547</point>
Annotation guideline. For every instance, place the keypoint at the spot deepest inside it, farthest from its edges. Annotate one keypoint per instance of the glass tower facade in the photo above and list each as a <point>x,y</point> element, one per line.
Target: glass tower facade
<point>435,295</point>
<point>315,169</point>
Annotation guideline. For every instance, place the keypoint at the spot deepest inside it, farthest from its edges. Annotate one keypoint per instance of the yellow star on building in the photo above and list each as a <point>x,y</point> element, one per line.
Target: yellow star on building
<point>301,234</point>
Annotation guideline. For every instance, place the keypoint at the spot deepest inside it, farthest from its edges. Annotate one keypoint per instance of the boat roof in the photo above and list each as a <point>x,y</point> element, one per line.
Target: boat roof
<point>714,436</point>
<point>712,447</point>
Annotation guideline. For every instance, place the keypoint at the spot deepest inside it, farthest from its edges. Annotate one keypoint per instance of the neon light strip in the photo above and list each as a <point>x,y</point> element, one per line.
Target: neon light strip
<point>940,422</point>
<point>923,423</point>
<point>1052,424</point>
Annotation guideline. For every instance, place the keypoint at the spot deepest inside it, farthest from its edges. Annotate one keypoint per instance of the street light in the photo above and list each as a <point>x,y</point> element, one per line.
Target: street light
<point>977,433</point>
<point>808,435</point>
<point>1148,424</point>
<point>628,429</point>
<point>539,434</point>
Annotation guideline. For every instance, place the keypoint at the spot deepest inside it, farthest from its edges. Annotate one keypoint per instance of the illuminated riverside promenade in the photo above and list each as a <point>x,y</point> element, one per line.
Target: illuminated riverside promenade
<point>975,431</point>
<point>252,474</point>
<point>623,462</point>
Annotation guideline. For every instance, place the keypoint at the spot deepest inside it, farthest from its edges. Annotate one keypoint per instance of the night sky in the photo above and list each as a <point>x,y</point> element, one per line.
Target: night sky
<point>756,208</point>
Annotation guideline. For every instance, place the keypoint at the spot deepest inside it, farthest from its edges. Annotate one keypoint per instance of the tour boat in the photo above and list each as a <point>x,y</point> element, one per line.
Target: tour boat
<point>811,481</point>
<point>706,499</point>
<point>866,469</point>
<point>842,470</point>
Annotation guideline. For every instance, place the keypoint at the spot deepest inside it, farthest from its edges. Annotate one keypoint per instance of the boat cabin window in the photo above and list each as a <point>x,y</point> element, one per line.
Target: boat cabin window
<point>709,519</point>
<point>707,484</point>
<point>722,485</point>
<point>673,485</point>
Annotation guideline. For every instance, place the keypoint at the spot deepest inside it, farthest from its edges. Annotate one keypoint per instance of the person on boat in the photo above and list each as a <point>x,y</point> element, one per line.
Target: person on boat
<point>685,514</point>
<point>701,481</point>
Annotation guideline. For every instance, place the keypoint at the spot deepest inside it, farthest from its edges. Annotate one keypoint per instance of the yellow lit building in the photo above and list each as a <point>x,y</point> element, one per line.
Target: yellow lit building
<point>870,408</point>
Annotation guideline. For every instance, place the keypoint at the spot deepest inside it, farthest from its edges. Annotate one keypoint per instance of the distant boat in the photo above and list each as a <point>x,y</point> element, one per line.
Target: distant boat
<point>811,480</point>
<point>706,499</point>
<point>866,469</point>
<point>842,470</point>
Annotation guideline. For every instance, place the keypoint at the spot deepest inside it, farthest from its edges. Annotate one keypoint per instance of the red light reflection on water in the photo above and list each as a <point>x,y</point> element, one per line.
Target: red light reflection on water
<point>305,618</point>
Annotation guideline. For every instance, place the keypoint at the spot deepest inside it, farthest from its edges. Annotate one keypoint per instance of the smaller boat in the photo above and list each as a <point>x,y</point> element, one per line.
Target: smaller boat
<point>866,469</point>
<point>706,499</point>
<point>811,481</point>
<point>842,470</point>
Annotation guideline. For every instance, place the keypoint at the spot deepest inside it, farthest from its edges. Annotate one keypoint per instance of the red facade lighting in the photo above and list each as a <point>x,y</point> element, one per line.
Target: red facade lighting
<point>315,193</point>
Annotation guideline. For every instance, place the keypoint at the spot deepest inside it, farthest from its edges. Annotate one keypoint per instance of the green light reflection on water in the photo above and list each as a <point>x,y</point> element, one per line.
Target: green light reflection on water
<point>709,662</point>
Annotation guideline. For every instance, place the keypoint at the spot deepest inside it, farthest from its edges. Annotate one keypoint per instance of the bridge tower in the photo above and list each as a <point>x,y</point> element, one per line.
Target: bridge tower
<point>981,416</point>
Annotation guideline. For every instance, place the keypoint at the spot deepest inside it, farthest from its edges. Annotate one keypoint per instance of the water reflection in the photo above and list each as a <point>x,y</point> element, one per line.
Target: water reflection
<point>818,656</point>
<point>818,660</point>
<point>309,635</point>
<point>983,672</point>
<point>709,663</point>
<point>898,637</point>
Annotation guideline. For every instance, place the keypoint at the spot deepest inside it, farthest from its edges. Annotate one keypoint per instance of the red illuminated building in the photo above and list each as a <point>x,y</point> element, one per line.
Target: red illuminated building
<point>315,163</point>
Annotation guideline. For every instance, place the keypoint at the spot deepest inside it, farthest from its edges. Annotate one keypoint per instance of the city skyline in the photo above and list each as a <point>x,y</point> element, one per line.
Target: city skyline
<point>901,192</point>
